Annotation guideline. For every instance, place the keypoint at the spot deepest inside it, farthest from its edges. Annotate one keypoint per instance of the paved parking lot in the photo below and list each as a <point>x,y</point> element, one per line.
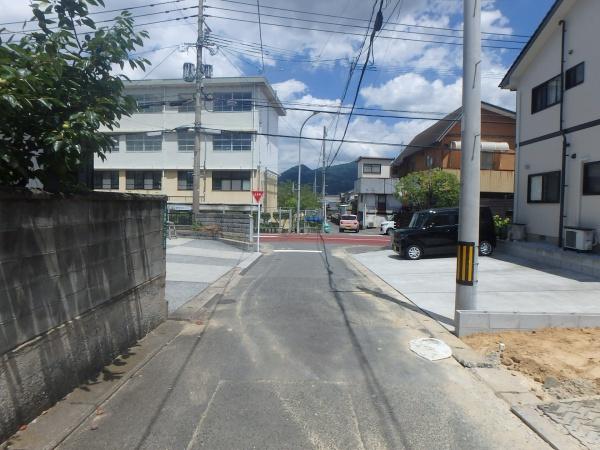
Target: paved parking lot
<point>506,284</point>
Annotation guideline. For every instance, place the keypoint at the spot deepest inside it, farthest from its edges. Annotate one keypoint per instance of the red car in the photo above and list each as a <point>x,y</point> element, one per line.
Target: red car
<point>349,222</point>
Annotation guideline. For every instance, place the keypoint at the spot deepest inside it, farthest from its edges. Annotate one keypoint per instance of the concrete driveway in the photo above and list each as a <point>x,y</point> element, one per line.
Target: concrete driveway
<point>506,284</point>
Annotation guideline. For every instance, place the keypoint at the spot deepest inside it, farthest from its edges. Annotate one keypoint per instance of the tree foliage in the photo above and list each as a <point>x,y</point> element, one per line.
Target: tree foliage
<point>429,189</point>
<point>57,88</point>
<point>287,197</point>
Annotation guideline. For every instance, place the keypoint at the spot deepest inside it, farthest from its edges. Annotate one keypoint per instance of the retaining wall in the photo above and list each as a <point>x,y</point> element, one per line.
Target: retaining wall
<point>82,278</point>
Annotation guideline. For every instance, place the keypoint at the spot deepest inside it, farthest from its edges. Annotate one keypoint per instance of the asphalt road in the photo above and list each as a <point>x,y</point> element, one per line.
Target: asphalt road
<point>302,353</point>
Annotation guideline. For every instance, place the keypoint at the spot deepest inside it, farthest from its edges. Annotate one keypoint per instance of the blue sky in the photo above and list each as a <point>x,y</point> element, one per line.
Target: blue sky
<point>421,77</point>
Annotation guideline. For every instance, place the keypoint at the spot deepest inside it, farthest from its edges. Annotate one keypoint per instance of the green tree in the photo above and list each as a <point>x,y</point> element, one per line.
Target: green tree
<point>287,197</point>
<point>58,87</point>
<point>428,189</point>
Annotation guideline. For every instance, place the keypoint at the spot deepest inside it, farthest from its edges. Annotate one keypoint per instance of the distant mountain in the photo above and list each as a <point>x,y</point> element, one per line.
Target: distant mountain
<point>339,178</point>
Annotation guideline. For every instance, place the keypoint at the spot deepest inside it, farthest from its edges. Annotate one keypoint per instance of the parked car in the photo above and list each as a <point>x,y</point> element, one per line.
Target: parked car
<point>349,222</point>
<point>435,232</point>
<point>387,227</point>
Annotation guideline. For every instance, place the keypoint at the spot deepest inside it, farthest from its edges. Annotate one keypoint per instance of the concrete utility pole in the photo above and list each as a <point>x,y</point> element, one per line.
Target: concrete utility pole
<point>323,177</point>
<point>198,111</point>
<point>468,231</point>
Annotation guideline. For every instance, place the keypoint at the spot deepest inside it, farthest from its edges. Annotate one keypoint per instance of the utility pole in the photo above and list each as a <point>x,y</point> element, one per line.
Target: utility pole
<point>468,231</point>
<point>323,177</point>
<point>198,111</point>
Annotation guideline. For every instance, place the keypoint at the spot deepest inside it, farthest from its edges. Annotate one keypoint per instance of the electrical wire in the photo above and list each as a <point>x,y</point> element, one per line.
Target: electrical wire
<point>358,26</point>
<point>159,64</point>
<point>262,55</point>
<point>363,20</point>
<point>348,33</point>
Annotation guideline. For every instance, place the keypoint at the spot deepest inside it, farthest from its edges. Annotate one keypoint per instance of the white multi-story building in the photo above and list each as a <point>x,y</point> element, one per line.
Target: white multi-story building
<point>557,79</point>
<point>374,190</point>
<point>154,148</point>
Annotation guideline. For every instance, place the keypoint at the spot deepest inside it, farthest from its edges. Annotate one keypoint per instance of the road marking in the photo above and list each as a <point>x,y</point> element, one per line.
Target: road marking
<point>297,251</point>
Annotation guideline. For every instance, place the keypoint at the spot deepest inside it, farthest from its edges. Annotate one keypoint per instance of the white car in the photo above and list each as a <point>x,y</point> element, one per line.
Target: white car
<point>387,227</point>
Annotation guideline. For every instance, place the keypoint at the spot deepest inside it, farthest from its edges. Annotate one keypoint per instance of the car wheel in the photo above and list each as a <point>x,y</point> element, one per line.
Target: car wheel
<point>413,252</point>
<point>389,231</point>
<point>485,248</point>
<point>357,230</point>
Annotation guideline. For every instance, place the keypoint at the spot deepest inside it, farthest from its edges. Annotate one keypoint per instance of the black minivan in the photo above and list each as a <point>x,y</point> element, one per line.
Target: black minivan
<point>435,232</point>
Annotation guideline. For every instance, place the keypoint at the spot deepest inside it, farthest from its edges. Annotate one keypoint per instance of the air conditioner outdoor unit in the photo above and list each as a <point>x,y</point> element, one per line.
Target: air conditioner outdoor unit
<point>581,239</point>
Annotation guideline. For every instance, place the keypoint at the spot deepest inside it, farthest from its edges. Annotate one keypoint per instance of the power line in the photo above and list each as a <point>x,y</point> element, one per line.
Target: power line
<point>262,55</point>
<point>376,27</point>
<point>363,20</point>
<point>159,64</point>
<point>356,34</point>
<point>358,26</point>
<point>130,8</point>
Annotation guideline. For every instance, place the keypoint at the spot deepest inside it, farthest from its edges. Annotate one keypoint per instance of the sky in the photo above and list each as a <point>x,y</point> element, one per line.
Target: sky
<point>309,67</point>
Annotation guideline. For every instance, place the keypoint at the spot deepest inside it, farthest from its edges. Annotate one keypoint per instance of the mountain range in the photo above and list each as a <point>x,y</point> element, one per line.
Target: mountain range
<point>339,178</point>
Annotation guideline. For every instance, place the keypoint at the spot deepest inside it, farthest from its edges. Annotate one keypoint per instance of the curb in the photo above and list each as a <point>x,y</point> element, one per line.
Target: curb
<point>44,428</point>
<point>247,264</point>
<point>520,403</point>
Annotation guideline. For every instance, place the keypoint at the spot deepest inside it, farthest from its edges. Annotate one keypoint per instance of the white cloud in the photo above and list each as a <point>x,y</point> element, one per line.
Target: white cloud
<point>289,89</point>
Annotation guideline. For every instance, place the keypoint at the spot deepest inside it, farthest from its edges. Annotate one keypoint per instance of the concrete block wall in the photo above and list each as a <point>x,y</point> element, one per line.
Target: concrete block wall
<point>233,224</point>
<point>81,279</point>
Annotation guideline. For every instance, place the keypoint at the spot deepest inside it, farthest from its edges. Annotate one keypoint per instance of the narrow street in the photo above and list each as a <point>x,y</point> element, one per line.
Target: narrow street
<point>302,352</point>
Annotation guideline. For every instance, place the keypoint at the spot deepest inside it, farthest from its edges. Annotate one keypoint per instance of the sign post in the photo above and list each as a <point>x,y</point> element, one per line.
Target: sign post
<point>258,196</point>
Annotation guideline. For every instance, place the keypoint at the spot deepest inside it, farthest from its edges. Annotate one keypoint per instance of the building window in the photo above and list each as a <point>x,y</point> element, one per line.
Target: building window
<point>487,160</point>
<point>372,168</point>
<point>143,179</point>
<point>231,181</point>
<point>575,76</point>
<point>186,103</point>
<point>232,141</point>
<point>149,103</point>
<point>185,180</point>
<point>591,178</point>
<point>114,147</point>
<point>186,140</point>
<point>232,101</point>
<point>143,143</point>
<point>544,188</point>
<point>546,95</point>
<point>106,179</point>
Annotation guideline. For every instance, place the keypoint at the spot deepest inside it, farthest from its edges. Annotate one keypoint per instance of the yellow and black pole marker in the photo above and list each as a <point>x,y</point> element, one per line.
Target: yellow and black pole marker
<point>465,263</point>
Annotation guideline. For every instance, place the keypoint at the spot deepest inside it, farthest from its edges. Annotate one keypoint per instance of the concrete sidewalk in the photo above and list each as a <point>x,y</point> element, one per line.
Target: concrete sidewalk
<point>193,264</point>
<point>506,285</point>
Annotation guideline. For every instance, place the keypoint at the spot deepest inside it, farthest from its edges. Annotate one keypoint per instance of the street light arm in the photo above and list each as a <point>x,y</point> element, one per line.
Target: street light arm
<point>314,113</point>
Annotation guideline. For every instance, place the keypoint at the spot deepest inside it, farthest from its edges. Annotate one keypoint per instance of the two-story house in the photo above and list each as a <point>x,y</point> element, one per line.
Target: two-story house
<point>557,80</point>
<point>439,146</point>
<point>154,148</point>
<point>374,190</point>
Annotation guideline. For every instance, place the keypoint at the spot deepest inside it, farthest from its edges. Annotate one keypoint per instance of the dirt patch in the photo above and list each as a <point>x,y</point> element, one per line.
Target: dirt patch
<point>566,362</point>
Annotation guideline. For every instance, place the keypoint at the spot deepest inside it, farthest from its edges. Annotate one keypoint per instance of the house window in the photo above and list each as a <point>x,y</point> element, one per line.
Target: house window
<point>232,101</point>
<point>372,168</point>
<point>591,178</point>
<point>544,188</point>
<point>487,160</point>
<point>106,179</point>
<point>143,179</point>
<point>143,143</point>
<point>186,140</point>
<point>546,95</point>
<point>575,76</point>
<point>231,181</point>
<point>149,103</point>
<point>232,141</point>
<point>185,180</point>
